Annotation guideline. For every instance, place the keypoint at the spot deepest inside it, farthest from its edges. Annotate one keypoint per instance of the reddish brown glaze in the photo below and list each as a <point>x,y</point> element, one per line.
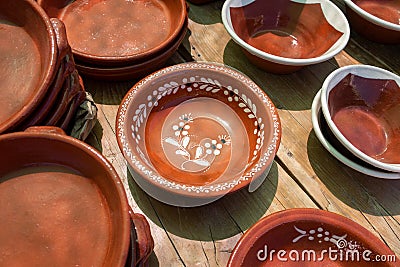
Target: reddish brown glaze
<point>366,111</point>
<point>269,65</point>
<point>143,27</point>
<point>287,29</point>
<point>144,243</point>
<point>28,54</point>
<point>70,207</point>
<point>387,10</point>
<point>307,232</point>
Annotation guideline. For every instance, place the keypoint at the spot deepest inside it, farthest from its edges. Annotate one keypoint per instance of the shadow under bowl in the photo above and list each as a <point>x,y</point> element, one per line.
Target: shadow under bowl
<point>28,58</point>
<point>377,20</point>
<point>361,105</point>
<point>296,237</point>
<point>118,32</point>
<point>283,36</point>
<point>198,130</point>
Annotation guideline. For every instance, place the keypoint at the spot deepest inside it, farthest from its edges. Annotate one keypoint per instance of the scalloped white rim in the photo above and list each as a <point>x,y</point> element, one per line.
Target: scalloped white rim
<point>372,18</point>
<point>333,14</point>
<point>316,107</point>
<point>334,78</point>
<point>146,171</point>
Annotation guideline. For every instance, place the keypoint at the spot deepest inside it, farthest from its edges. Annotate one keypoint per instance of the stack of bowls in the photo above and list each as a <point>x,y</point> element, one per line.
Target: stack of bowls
<point>284,36</point>
<point>376,20</point>
<point>118,39</point>
<point>359,123</point>
<point>39,84</point>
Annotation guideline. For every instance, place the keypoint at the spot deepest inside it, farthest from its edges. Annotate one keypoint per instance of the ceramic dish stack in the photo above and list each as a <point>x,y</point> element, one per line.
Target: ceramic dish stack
<point>39,84</point>
<point>118,39</point>
<point>356,118</point>
<point>63,204</point>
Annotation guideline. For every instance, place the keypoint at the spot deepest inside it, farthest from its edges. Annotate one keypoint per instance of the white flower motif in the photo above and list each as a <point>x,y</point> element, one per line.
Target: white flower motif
<point>225,139</point>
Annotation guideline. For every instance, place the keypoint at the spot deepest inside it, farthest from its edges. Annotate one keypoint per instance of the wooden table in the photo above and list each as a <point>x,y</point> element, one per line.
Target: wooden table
<point>304,174</point>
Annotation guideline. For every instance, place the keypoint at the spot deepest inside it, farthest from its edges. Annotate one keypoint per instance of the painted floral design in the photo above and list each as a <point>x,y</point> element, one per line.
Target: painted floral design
<point>200,153</point>
<point>321,235</point>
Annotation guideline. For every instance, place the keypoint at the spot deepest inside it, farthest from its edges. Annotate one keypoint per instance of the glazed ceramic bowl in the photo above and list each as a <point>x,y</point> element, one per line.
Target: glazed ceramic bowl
<point>118,32</point>
<point>283,36</point>
<point>28,58</point>
<point>361,105</point>
<point>308,237</point>
<point>62,203</point>
<point>196,131</point>
<point>377,20</point>
<point>136,70</point>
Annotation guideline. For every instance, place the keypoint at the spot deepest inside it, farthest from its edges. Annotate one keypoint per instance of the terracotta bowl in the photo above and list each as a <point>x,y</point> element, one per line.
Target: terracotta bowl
<point>308,237</point>
<point>283,36</point>
<point>377,20</point>
<point>196,131</point>
<point>361,105</point>
<point>118,32</point>
<point>136,70</point>
<point>62,203</point>
<point>28,58</point>
<point>338,150</point>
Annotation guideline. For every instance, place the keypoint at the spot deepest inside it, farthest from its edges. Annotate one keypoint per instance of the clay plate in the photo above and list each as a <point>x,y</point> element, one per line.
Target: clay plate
<point>197,130</point>
<point>308,237</point>
<point>28,57</point>
<point>377,20</point>
<point>143,27</point>
<point>339,151</point>
<point>62,203</point>
<point>282,36</point>
<point>361,105</point>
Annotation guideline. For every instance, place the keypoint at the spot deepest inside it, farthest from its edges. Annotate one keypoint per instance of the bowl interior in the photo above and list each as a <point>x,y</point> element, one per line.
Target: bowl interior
<point>199,125</point>
<point>307,237</point>
<point>27,52</point>
<point>290,29</point>
<point>388,10</point>
<point>61,208</point>
<point>143,27</point>
<point>367,111</point>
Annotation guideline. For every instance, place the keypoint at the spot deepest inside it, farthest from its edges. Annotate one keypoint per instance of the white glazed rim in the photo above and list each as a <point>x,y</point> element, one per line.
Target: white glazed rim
<point>378,21</point>
<point>340,43</point>
<point>316,107</point>
<point>325,110</point>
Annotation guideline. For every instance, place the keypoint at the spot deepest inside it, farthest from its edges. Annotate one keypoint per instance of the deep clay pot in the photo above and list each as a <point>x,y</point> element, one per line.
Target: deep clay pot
<point>62,202</point>
<point>144,28</point>
<point>307,232</point>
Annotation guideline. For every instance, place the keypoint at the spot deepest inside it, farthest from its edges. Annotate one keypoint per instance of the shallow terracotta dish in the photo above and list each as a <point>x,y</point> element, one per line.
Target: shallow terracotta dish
<point>136,70</point>
<point>377,20</point>
<point>283,36</point>
<point>62,203</point>
<point>308,237</point>
<point>337,149</point>
<point>118,32</point>
<point>361,105</point>
<point>197,131</point>
<point>28,60</point>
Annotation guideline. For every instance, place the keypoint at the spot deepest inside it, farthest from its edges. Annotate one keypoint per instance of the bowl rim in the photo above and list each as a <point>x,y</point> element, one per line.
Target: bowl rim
<point>118,59</point>
<point>316,108</point>
<point>47,133</point>
<point>340,43</point>
<point>341,72</point>
<point>205,191</point>
<point>273,220</point>
<point>371,18</point>
<point>40,92</point>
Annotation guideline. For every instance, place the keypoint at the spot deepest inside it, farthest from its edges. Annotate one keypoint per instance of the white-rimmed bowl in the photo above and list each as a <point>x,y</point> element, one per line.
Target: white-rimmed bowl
<point>376,20</point>
<point>361,105</point>
<point>283,36</point>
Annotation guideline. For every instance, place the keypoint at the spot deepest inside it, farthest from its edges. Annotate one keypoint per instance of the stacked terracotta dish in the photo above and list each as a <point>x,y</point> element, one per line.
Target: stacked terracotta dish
<point>356,117</point>
<point>39,84</point>
<point>117,39</point>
